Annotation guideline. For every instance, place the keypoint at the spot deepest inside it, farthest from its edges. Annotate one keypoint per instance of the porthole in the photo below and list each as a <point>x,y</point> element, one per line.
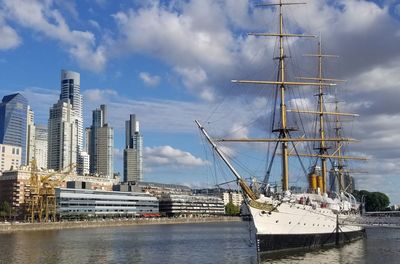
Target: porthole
<point>276,221</point>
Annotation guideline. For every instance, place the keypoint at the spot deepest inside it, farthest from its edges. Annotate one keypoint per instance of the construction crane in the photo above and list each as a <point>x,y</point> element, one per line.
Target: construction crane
<point>42,200</point>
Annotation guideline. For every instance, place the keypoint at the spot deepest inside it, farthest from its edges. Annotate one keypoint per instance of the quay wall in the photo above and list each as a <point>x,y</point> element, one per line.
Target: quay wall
<point>12,227</point>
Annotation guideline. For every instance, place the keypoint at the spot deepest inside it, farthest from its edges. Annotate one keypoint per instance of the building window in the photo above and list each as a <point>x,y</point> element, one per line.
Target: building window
<point>17,151</point>
<point>13,150</point>
<point>3,149</point>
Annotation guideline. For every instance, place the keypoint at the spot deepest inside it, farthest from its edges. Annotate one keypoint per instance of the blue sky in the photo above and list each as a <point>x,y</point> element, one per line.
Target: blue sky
<point>171,62</point>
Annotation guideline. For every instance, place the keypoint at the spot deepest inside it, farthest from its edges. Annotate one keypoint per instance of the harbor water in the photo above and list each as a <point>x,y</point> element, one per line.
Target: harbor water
<point>179,243</point>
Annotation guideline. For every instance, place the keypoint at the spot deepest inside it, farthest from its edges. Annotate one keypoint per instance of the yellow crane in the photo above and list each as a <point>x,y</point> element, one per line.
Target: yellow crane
<point>42,200</point>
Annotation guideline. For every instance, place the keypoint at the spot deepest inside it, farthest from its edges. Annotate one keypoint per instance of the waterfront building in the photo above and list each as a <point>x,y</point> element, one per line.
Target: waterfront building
<point>15,189</point>
<point>70,89</point>
<point>13,122</point>
<point>30,138</point>
<point>133,152</point>
<point>15,185</point>
<point>11,157</point>
<point>235,198</point>
<point>100,144</point>
<point>154,188</point>
<point>62,146</point>
<point>72,203</point>
<point>191,205</point>
<point>41,146</point>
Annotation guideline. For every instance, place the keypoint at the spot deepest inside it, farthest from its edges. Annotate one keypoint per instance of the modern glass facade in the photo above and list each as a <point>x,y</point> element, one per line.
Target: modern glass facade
<point>101,144</point>
<point>71,90</point>
<point>190,205</point>
<point>90,203</point>
<point>13,122</point>
<point>133,152</point>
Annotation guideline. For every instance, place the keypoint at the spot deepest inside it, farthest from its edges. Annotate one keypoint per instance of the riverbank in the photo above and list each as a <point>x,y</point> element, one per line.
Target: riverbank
<point>12,227</point>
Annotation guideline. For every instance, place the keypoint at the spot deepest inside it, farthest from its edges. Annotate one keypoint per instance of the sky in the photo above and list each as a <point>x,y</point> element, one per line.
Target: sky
<point>170,62</point>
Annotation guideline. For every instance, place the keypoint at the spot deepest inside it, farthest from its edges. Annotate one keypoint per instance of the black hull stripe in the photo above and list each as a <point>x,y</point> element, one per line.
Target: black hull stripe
<point>280,243</point>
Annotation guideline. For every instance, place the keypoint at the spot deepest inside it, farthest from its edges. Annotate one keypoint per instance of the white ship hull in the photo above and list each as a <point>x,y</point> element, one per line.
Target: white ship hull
<point>286,226</point>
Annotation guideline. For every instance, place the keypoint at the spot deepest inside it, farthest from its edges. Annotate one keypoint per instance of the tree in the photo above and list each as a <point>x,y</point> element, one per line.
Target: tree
<point>231,209</point>
<point>5,209</point>
<point>374,201</point>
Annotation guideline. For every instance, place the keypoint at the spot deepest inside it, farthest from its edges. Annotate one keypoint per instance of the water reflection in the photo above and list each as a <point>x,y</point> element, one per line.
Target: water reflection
<point>188,243</point>
<point>349,253</point>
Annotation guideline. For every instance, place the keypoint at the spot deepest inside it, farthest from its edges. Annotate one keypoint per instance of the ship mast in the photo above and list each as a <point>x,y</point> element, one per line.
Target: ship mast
<point>283,130</point>
<point>323,150</point>
<point>338,129</point>
<point>322,147</point>
<point>284,137</point>
<point>281,84</point>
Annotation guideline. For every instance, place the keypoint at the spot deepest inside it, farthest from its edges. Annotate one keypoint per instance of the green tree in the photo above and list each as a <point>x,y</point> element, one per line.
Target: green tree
<point>5,209</point>
<point>374,201</point>
<point>231,209</point>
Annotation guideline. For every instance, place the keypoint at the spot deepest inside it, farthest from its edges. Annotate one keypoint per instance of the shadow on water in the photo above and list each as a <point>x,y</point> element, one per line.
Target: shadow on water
<point>382,245</point>
<point>349,253</point>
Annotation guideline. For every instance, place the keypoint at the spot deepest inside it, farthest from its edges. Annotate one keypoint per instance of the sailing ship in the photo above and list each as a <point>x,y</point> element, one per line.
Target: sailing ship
<point>285,220</point>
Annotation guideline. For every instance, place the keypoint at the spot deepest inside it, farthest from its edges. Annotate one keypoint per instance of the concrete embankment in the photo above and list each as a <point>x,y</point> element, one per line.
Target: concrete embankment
<point>12,227</point>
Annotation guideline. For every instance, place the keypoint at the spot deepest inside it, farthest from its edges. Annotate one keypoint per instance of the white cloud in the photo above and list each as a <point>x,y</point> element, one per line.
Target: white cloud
<point>183,39</point>
<point>39,16</point>
<point>239,130</point>
<point>379,76</point>
<point>148,79</point>
<point>98,96</point>
<point>9,37</point>
<point>94,24</point>
<point>167,157</point>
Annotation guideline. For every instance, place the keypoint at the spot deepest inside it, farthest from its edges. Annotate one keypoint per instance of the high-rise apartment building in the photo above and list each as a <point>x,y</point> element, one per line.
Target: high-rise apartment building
<point>41,146</point>
<point>70,89</point>
<point>30,137</point>
<point>133,152</point>
<point>62,145</point>
<point>100,144</point>
<point>340,180</point>
<point>84,161</point>
<point>13,122</point>
<point>10,157</point>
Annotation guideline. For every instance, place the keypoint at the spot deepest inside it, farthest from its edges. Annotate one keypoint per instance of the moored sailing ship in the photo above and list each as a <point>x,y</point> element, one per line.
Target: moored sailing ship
<point>285,220</point>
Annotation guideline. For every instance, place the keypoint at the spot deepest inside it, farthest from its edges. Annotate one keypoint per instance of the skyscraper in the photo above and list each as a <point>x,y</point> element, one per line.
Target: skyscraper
<point>62,145</point>
<point>133,157</point>
<point>70,89</point>
<point>100,138</point>
<point>30,137</point>
<point>41,146</point>
<point>13,122</point>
